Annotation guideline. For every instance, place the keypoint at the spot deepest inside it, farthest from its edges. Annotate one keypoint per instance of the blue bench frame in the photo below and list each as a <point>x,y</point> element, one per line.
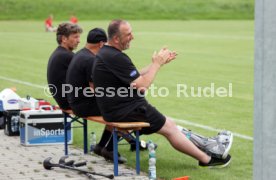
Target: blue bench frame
<point>67,126</point>
<point>115,132</point>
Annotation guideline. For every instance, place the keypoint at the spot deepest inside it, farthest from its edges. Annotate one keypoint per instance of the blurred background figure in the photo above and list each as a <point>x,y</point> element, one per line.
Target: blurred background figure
<point>49,24</point>
<point>73,19</point>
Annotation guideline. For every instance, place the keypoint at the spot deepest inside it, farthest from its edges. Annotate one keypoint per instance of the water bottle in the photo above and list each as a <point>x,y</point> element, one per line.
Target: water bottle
<point>152,161</point>
<point>92,141</point>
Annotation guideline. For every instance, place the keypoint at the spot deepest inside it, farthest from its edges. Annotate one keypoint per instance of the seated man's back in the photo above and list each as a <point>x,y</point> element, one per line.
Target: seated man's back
<point>80,97</point>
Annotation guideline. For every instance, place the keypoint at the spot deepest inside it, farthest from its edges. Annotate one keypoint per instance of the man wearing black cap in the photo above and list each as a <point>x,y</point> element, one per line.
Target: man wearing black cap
<point>80,96</point>
<point>78,75</point>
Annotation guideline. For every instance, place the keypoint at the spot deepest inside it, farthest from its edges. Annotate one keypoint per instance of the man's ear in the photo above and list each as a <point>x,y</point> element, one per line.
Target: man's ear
<point>101,44</point>
<point>64,39</point>
<point>116,39</point>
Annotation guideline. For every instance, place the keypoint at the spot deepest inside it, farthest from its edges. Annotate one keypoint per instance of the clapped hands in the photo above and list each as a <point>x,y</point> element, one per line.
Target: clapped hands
<point>164,56</point>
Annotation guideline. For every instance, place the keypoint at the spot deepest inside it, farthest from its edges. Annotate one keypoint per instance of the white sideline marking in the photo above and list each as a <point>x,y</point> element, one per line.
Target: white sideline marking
<point>209,128</point>
<point>22,82</point>
<point>181,121</point>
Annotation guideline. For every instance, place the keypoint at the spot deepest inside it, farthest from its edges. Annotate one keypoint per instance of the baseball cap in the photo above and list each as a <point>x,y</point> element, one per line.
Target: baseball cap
<point>96,35</point>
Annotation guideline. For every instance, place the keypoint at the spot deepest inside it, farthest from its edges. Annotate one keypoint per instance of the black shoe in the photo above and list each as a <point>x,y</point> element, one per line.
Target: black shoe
<point>108,155</point>
<point>217,162</point>
<point>98,149</point>
<point>143,146</point>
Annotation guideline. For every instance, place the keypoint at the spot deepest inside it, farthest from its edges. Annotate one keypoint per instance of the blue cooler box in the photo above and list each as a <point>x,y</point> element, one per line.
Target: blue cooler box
<point>41,127</point>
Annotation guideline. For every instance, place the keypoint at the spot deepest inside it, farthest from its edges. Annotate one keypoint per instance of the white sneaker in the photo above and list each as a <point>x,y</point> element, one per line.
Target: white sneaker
<point>225,138</point>
<point>220,145</point>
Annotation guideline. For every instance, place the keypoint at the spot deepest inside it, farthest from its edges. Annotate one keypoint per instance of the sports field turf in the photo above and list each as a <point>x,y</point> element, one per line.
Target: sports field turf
<point>219,52</point>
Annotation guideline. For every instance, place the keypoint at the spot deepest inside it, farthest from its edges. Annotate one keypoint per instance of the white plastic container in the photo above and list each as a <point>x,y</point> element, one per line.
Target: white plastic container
<point>9,100</point>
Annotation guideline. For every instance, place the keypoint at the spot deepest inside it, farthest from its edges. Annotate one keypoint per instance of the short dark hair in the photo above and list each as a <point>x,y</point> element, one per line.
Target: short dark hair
<point>66,29</point>
<point>96,35</point>
<point>113,28</point>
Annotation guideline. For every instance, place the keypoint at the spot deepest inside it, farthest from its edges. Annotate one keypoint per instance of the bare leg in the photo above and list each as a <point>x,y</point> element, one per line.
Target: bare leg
<point>179,141</point>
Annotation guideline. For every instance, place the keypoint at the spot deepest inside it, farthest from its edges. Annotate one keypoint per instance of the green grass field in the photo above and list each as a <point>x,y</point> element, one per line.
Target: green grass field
<point>219,52</point>
<point>127,9</point>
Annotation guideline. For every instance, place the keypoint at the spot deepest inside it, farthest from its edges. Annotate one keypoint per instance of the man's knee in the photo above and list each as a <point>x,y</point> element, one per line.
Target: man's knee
<point>168,128</point>
<point>170,123</point>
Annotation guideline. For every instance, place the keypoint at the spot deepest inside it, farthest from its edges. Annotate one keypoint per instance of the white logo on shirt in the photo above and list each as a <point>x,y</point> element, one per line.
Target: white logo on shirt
<point>133,73</point>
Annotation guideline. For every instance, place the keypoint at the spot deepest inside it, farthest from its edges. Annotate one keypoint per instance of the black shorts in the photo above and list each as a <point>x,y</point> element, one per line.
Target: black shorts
<point>62,103</point>
<point>85,109</point>
<point>147,113</point>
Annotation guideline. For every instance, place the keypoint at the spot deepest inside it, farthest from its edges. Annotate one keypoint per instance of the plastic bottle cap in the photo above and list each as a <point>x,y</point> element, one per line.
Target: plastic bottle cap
<point>181,178</point>
<point>13,89</point>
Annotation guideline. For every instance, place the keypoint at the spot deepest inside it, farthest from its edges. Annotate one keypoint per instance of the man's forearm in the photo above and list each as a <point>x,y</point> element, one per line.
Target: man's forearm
<point>144,70</point>
<point>145,80</point>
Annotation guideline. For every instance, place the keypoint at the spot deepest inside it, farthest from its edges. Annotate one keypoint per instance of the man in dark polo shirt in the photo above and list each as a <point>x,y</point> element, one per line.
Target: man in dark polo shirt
<point>80,97</point>
<point>78,79</point>
<point>68,38</point>
<point>115,76</point>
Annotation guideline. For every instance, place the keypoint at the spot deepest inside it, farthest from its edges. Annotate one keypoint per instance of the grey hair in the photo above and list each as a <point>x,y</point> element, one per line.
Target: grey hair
<point>114,27</point>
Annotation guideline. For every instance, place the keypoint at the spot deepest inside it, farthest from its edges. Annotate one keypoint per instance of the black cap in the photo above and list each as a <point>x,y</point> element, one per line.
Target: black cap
<point>96,35</point>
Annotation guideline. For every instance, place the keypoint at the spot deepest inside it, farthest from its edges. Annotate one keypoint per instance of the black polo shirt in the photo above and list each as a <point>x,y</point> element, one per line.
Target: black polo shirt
<point>56,74</point>
<point>79,75</point>
<point>81,99</point>
<point>113,72</point>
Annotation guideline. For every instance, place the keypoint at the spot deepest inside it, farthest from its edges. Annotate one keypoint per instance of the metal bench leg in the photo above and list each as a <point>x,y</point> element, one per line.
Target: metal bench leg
<point>115,151</point>
<point>65,134</point>
<point>137,153</point>
<point>84,136</point>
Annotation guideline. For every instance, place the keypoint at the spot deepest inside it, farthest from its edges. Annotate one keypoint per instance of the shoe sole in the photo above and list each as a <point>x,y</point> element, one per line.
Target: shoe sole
<point>98,153</point>
<point>110,160</point>
<point>217,166</point>
<point>226,152</point>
